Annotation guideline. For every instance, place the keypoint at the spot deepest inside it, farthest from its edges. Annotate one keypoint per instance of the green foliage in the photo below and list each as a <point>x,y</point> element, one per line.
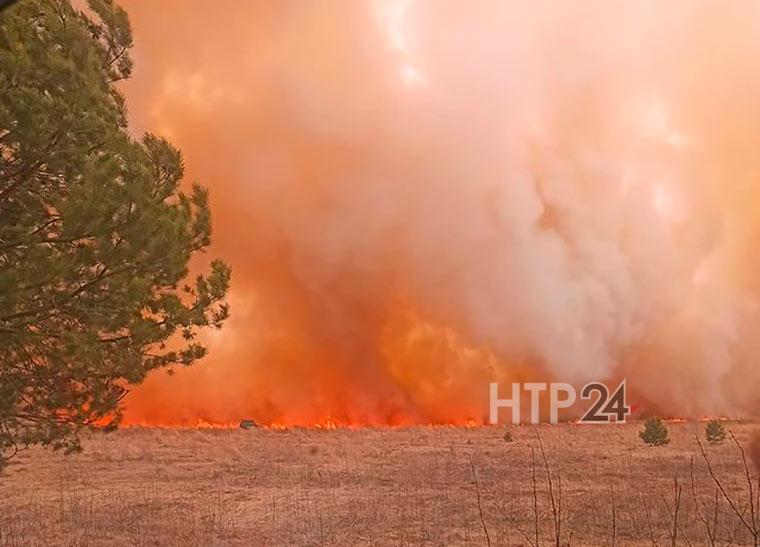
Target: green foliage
<point>654,433</point>
<point>715,432</point>
<point>95,232</point>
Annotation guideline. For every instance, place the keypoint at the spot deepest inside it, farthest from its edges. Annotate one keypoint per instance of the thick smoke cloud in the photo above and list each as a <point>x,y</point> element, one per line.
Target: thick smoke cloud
<point>421,196</point>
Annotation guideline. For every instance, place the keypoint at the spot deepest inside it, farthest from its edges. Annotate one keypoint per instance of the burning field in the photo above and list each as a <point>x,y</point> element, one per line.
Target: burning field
<point>418,198</point>
<point>379,486</point>
<point>412,201</point>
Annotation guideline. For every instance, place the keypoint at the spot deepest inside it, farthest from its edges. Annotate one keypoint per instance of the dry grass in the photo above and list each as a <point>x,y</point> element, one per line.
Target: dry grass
<point>437,486</point>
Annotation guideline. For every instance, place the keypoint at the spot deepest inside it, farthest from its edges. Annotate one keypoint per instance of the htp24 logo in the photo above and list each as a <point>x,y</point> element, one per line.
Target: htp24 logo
<point>604,409</point>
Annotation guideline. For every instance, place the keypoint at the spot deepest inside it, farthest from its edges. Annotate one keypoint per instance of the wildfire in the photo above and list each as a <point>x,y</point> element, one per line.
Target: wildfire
<point>326,425</point>
<point>197,424</point>
<point>417,201</point>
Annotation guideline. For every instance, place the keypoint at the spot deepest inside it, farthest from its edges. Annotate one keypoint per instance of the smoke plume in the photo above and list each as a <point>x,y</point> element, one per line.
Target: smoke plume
<point>419,197</point>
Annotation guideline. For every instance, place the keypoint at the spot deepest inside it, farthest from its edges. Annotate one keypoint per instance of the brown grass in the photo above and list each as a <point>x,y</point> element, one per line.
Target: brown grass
<point>579,485</point>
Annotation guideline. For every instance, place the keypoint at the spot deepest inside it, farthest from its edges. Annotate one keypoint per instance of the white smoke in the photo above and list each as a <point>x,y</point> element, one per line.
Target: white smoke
<point>570,187</point>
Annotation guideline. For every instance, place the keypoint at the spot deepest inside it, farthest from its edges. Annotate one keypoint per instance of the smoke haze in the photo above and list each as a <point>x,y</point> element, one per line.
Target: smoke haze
<point>418,197</point>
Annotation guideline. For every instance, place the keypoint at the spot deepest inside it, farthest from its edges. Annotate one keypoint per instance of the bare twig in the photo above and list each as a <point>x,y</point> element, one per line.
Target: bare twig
<point>716,507</point>
<point>677,489</point>
<point>480,507</point>
<point>698,506</point>
<point>749,526</point>
<point>511,521</point>
<point>749,484</point>
<point>535,492</point>
<point>648,515</point>
<point>554,501</point>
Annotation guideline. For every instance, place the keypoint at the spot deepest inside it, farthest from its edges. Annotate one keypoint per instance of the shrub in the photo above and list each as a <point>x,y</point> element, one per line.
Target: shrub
<point>715,433</point>
<point>509,437</point>
<point>654,433</point>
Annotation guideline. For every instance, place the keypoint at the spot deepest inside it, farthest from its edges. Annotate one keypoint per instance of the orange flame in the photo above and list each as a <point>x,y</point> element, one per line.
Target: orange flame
<point>418,200</point>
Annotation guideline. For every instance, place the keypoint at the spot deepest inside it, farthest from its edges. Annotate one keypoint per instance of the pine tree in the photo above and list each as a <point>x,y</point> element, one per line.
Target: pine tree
<point>654,433</point>
<point>95,233</point>
<point>715,433</point>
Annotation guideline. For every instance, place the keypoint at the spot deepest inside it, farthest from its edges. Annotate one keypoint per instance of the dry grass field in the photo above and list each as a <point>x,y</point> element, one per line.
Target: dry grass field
<point>420,485</point>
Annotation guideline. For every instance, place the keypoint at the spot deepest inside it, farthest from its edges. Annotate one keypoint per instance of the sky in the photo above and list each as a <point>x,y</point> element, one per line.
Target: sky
<point>419,197</point>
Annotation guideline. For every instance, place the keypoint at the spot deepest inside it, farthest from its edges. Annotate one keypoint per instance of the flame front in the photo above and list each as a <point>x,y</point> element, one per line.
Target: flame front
<point>419,198</point>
